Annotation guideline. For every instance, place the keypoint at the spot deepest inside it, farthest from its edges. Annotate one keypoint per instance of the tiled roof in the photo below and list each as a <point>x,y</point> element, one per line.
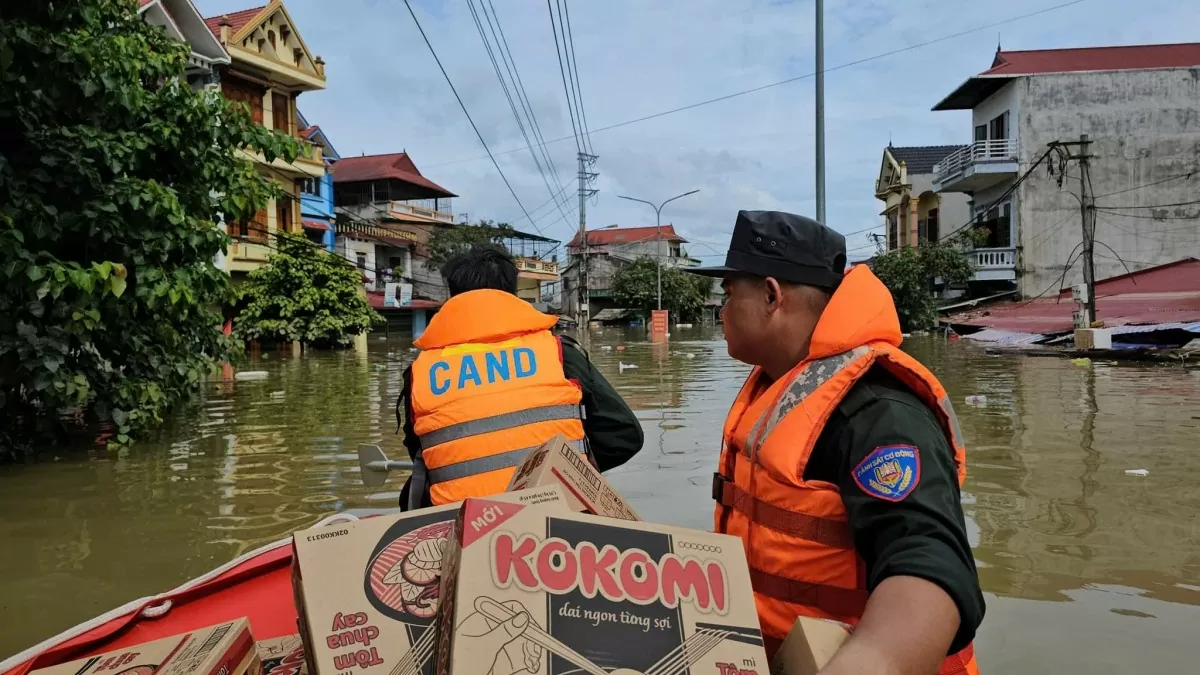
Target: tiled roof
<point>396,166</point>
<point>1133,57</point>
<point>628,235</point>
<point>143,3</point>
<point>921,159</point>
<point>237,20</point>
<point>307,132</point>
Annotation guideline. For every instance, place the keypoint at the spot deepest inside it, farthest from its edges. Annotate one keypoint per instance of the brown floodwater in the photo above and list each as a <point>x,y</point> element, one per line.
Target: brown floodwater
<point>1086,569</point>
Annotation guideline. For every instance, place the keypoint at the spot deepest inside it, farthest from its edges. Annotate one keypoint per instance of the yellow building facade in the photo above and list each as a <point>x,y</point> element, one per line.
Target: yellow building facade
<point>270,67</point>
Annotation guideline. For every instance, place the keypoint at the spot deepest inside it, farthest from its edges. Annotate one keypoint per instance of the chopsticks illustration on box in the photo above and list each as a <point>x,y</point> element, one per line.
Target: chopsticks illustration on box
<point>676,662</point>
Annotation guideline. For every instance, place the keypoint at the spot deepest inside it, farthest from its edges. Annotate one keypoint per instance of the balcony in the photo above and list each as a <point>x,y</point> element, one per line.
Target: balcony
<point>311,153</point>
<point>977,166</point>
<point>532,268</point>
<point>424,209</point>
<point>994,264</point>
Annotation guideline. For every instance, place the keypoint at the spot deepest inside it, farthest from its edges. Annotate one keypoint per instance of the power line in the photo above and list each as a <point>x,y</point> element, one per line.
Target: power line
<point>514,73</point>
<point>562,72</point>
<point>574,62</point>
<point>464,109</point>
<point>1149,217</point>
<point>1148,206</point>
<point>508,95</point>
<point>1189,174</point>
<point>789,80</point>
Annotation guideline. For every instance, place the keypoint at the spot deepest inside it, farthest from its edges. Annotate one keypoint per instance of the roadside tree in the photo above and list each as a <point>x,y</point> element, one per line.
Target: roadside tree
<point>307,295</point>
<point>635,286</point>
<point>909,273</point>
<point>109,164</point>
<point>447,242</point>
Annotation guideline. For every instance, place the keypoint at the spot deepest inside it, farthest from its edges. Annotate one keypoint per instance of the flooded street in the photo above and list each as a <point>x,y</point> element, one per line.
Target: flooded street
<point>1087,569</point>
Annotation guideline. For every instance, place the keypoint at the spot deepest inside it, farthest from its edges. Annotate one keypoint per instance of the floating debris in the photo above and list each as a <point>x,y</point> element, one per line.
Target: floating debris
<point>977,400</point>
<point>1082,362</point>
<point>251,375</point>
<point>1137,472</point>
<point>622,367</point>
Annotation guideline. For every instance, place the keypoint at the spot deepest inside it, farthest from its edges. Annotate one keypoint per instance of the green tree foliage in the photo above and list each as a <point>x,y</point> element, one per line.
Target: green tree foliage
<point>305,294</point>
<point>635,286</point>
<point>909,274</point>
<point>447,242</point>
<point>108,166</point>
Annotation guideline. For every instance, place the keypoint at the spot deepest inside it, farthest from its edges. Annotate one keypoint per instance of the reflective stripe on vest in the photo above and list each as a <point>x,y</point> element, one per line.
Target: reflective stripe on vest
<point>510,420</point>
<point>474,467</point>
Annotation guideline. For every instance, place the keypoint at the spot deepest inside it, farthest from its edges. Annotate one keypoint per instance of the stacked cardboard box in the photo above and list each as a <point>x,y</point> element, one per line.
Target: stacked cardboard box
<point>556,575</point>
<point>224,649</point>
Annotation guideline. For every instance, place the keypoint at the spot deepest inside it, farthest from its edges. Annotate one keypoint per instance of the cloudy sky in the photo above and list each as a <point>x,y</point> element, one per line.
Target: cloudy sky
<point>641,57</point>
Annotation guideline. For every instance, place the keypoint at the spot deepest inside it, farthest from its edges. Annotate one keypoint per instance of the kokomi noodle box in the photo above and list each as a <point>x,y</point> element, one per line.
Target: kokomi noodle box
<point>223,649</point>
<point>559,593</point>
<point>367,592</point>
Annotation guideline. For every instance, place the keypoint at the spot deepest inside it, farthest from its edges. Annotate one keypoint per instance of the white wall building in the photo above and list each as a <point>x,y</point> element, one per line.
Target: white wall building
<point>1139,106</point>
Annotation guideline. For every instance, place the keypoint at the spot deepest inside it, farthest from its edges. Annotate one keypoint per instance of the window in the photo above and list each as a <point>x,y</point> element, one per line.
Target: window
<point>249,95</point>
<point>283,214</point>
<point>311,186</point>
<point>997,223</point>
<point>281,114</point>
<point>360,260</point>
<point>892,231</point>
<point>932,233</point>
<point>254,229</point>
<point>981,133</point>
<point>998,127</point>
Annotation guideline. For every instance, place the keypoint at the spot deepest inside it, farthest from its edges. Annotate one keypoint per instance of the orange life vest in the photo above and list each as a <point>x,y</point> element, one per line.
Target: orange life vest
<point>796,532</point>
<point>488,387</point>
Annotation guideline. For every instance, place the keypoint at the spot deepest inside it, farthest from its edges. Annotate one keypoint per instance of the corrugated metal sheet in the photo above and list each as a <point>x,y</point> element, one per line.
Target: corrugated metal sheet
<point>1003,337</point>
<point>1191,327</point>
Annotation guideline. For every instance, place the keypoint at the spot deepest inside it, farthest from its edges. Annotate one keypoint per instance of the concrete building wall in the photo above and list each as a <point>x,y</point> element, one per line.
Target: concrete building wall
<point>349,248</point>
<point>1145,129</point>
<point>953,207</point>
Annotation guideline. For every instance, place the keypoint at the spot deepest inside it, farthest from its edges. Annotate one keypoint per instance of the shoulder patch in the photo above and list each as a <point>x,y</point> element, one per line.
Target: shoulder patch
<point>890,472</point>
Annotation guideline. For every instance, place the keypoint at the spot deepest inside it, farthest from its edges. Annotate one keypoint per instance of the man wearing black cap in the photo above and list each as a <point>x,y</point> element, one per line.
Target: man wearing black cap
<point>841,460</point>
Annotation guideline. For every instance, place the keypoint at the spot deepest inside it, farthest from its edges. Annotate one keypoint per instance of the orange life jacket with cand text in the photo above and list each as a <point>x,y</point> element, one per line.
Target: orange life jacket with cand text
<point>487,387</point>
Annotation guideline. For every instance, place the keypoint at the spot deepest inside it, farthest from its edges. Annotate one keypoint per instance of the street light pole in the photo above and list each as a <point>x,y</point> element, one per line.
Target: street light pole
<point>658,232</point>
<point>820,112</point>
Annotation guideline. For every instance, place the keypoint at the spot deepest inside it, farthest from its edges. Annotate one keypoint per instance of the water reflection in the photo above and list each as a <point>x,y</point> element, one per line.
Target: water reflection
<point>1067,544</point>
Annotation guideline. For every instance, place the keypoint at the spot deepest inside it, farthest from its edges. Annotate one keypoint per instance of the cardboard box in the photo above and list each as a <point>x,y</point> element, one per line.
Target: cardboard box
<point>282,656</point>
<point>809,646</point>
<point>367,592</point>
<point>223,649</point>
<point>556,462</point>
<point>558,592</point>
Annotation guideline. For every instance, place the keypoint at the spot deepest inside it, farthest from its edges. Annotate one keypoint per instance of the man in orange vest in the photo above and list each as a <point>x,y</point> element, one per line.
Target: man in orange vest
<point>841,460</point>
<point>493,382</point>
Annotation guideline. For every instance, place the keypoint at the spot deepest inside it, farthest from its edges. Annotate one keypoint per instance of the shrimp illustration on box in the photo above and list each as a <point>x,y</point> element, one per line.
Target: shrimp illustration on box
<point>550,593</point>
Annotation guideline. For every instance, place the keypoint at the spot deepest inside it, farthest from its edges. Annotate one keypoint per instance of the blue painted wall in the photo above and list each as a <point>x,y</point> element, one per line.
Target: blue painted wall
<point>320,207</point>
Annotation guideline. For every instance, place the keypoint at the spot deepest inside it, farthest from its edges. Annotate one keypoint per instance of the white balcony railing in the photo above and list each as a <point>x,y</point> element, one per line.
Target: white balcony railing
<point>979,152</point>
<point>994,258</point>
<point>424,208</point>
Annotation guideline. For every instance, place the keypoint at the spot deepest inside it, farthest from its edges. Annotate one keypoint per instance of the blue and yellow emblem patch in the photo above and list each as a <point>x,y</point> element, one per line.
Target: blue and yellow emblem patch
<point>890,472</point>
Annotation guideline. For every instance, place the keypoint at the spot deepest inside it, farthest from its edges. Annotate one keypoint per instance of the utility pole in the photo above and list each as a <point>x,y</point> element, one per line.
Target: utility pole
<point>658,232</point>
<point>820,102</point>
<point>1088,212</point>
<point>585,180</point>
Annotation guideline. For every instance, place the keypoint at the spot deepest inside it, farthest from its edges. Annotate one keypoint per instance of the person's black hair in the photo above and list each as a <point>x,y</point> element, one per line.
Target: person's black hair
<point>479,268</point>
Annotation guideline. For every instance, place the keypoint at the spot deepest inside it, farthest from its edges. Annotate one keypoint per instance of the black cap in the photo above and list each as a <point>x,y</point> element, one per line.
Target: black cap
<point>785,246</point>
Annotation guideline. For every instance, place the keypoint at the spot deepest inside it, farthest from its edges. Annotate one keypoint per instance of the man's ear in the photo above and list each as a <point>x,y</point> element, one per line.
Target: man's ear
<point>774,293</point>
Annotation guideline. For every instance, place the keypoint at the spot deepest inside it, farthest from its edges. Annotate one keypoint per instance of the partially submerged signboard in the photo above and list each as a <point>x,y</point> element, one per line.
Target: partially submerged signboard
<point>577,593</point>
